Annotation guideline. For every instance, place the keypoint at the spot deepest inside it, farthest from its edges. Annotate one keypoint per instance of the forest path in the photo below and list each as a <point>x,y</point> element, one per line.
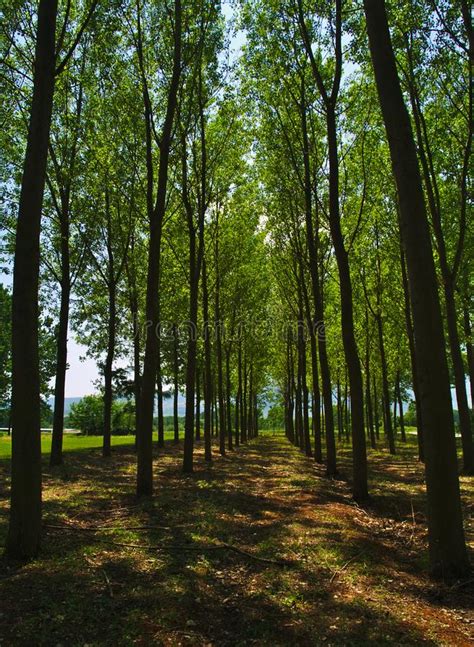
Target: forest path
<point>117,572</point>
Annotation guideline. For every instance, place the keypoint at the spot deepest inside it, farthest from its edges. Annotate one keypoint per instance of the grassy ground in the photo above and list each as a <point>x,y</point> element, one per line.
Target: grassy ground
<point>72,442</point>
<point>168,571</point>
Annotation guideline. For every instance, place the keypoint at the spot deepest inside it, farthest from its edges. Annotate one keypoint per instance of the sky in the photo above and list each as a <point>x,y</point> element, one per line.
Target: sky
<point>81,374</point>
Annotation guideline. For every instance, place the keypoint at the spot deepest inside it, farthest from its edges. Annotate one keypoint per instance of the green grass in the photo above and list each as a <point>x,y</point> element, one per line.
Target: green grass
<point>72,442</point>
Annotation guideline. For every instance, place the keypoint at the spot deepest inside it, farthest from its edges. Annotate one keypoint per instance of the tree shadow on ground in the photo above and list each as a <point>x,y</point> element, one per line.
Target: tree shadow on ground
<point>120,572</point>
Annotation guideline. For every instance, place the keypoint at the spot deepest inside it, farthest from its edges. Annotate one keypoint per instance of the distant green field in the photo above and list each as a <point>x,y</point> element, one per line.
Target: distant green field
<point>75,443</point>
<point>72,442</point>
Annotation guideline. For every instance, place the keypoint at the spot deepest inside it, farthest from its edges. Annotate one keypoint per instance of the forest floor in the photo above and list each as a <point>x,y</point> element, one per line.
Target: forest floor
<point>260,549</point>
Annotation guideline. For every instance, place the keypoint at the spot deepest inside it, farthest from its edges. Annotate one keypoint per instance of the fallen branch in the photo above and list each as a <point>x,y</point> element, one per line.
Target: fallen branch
<point>343,568</point>
<point>102,570</point>
<point>7,576</point>
<point>264,560</point>
<point>201,548</point>
<point>104,528</point>
<point>109,585</point>
<point>459,585</point>
<point>184,547</point>
<point>413,522</point>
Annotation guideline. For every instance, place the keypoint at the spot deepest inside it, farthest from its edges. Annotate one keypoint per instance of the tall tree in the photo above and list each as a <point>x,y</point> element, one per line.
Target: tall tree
<point>24,530</point>
<point>156,212</point>
<point>329,99</point>
<point>445,529</point>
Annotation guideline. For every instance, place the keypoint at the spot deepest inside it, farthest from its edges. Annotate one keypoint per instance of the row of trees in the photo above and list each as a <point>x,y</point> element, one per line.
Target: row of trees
<point>357,257</point>
<point>280,248</point>
<point>146,159</point>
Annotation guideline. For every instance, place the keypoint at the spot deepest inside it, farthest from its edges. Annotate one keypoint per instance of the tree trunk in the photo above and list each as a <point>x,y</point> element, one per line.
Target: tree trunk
<point>111,333</point>
<point>215,416</point>
<point>386,397</point>
<point>250,406</point>
<point>228,401</point>
<point>291,407</point>
<point>150,365</point>
<point>207,367</point>
<point>304,385</point>
<point>175,384</point>
<point>395,404</point>
<point>255,416</point>
<point>198,403</point>
<point>368,395</point>
<point>316,402</point>
<point>56,457</point>
<point>316,394</point>
<point>414,369</point>
<point>318,327</point>
<point>243,412</point>
<point>459,378</point>
<point>469,350</point>
<point>220,372</point>
<point>449,280</point>
<point>159,397</point>
<point>359,452</point>
<point>346,408</point>
<point>194,272</point>
<point>400,409</point>
<point>24,532</point>
<point>340,422</point>
<point>136,345</point>
<point>376,410</point>
<point>298,401</point>
<point>238,399</point>
<point>108,369</point>
<point>448,555</point>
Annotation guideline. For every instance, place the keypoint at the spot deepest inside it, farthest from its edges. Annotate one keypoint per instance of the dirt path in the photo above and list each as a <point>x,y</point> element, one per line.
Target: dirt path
<point>114,572</point>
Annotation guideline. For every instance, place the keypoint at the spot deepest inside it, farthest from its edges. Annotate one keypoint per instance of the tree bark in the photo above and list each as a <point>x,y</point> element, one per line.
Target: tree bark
<point>359,452</point>
<point>368,394</point>
<point>198,403</point>
<point>207,366</point>
<point>340,421</point>
<point>133,305</point>
<point>386,396</point>
<point>111,331</point>
<point>23,540</point>
<point>290,391</point>
<point>318,326</point>
<point>175,384</point>
<point>56,457</point>
<point>448,273</point>
<point>150,365</point>
<point>302,367</point>
<point>243,411</point>
<point>459,378</point>
<point>230,443</point>
<point>159,399</point>
<point>220,371</point>
<point>400,409</point>
<point>376,410</point>
<point>448,555</point>
<point>414,369</point>
<point>108,370</point>
<point>469,350</point>
<point>188,448</point>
